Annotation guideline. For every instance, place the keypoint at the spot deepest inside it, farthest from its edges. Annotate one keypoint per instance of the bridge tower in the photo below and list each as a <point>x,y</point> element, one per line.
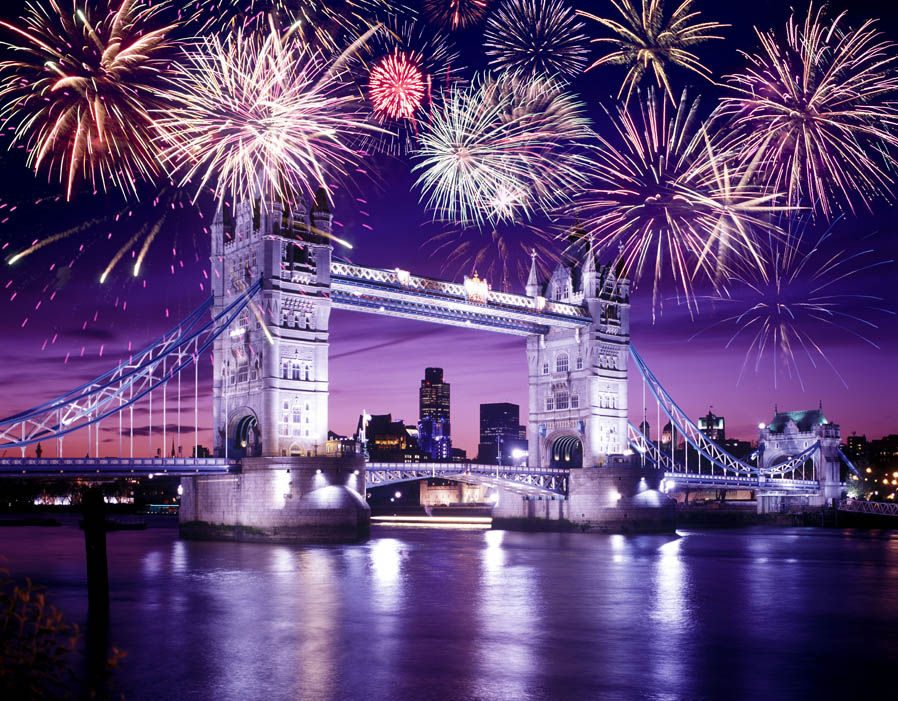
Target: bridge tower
<point>789,434</point>
<point>578,379</point>
<point>271,383</point>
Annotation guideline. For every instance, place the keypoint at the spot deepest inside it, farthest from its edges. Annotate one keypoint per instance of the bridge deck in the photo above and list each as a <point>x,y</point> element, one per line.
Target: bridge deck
<point>397,293</point>
<point>113,467</point>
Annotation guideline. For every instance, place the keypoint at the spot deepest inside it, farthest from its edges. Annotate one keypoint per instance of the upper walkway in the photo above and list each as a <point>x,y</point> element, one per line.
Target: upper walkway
<point>470,304</point>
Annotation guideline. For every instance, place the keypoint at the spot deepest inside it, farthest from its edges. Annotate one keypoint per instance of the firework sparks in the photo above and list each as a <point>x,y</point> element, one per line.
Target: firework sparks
<point>815,110</point>
<point>802,293</point>
<point>262,116</point>
<point>396,86</point>
<point>666,197</point>
<point>80,93</point>
<point>456,14</point>
<point>398,67</point>
<point>646,41</point>
<point>496,150</point>
<point>502,256</point>
<point>536,37</point>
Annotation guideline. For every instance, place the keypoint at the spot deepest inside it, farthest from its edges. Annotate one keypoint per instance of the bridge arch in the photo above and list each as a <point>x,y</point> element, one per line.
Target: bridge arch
<point>565,450</point>
<point>245,433</point>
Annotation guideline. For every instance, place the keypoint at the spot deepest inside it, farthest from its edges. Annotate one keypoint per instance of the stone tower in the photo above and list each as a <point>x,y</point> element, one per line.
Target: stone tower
<point>790,433</point>
<point>271,382</point>
<point>578,379</point>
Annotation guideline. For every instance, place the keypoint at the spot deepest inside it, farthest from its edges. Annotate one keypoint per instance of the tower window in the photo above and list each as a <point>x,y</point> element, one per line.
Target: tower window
<point>579,362</point>
<point>545,368</point>
<point>561,400</point>
<point>561,362</point>
<point>550,403</point>
<point>575,401</point>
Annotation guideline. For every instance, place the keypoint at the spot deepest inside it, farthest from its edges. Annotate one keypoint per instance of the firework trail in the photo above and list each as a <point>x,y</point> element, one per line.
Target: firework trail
<point>498,149</point>
<point>536,37</point>
<point>80,91</point>
<point>787,314</point>
<point>815,109</point>
<point>645,42</point>
<point>456,14</point>
<point>262,116</point>
<point>665,196</point>
<point>502,255</point>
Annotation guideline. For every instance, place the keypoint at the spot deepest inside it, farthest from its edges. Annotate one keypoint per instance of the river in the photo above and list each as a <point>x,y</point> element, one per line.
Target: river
<point>420,613</point>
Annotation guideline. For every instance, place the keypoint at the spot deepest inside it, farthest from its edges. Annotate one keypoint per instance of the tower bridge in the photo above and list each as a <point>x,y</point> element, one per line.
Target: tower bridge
<point>267,324</point>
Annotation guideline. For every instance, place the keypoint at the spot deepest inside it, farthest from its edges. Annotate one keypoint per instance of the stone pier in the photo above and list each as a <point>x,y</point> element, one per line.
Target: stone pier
<point>279,499</point>
<point>618,499</point>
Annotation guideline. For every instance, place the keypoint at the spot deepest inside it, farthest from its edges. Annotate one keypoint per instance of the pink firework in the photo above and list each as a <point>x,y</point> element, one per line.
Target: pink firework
<point>396,86</point>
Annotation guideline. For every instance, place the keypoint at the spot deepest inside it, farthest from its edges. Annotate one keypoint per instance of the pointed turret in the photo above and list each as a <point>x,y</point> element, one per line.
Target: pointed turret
<point>590,283</point>
<point>321,216</point>
<point>533,279</point>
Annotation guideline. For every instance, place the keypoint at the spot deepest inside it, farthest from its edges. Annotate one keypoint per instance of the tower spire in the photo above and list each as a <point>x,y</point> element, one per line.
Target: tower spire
<point>533,278</point>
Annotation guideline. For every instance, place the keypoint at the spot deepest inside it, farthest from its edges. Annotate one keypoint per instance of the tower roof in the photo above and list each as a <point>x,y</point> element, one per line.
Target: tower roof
<point>322,203</point>
<point>805,420</point>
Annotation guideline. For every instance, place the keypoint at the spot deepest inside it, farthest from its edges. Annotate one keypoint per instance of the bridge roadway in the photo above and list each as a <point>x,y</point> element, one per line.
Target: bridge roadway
<point>471,304</point>
<point>523,479</point>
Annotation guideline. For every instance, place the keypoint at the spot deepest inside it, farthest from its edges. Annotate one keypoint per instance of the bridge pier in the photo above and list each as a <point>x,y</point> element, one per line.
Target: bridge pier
<point>279,499</point>
<point>618,499</point>
<point>95,549</point>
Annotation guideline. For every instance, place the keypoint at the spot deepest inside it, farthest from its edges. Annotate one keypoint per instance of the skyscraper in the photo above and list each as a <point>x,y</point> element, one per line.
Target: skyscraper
<point>500,433</point>
<point>434,434</point>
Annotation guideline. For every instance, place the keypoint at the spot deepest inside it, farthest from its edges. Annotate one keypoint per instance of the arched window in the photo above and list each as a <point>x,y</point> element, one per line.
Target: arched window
<point>561,362</point>
<point>297,419</point>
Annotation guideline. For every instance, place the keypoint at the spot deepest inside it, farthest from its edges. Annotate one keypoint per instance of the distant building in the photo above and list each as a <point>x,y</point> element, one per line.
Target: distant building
<point>459,455</point>
<point>713,426</point>
<point>646,430</point>
<point>338,445</point>
<point>200,451</point>
<point>434,432</point>
<point>856,447</point>
<point>666,433</point>
<point>387,440</point>
<point>501,433</point>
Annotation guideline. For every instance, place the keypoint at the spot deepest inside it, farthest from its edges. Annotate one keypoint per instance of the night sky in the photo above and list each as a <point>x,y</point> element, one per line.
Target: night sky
<point>376,363</point>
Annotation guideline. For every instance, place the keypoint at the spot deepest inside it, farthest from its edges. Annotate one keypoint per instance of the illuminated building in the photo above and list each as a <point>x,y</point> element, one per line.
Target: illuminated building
<point>713,426</point>
<point>501,434</point>
<point>434,429</point>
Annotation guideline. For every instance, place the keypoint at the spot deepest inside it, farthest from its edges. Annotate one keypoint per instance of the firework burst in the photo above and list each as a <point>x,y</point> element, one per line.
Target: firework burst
<point>80,91</point>
<point>665,195</point>
<point>803,298</point>
<point>497,150</point>
<point>815,109</point>
<point>536,37</point>
<point>398,69</point>
<point>456,14</point>
<point>262,116</point>
<point>396,86</point>
<point>646,41</point>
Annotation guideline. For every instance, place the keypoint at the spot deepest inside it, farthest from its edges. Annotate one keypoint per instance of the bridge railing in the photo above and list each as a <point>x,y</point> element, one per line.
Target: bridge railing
<point>399,279</point>
<point>860,506</point>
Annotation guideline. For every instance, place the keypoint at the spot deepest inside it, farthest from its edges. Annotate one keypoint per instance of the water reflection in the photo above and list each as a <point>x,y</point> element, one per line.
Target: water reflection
<point>488,615</point>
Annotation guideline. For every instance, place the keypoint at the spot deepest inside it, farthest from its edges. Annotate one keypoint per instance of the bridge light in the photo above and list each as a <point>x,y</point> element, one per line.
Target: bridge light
<point>404,276</point>
<point>398,495</point>
<point>762,426</point>
<point>355,472</point>
<point>318,471</point>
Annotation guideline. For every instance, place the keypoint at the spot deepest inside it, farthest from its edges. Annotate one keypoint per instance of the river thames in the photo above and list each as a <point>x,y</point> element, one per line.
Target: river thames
<point>425,613</point>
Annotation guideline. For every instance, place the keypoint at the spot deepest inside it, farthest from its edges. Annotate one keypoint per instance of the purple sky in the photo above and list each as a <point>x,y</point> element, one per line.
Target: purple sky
<point>376,362</point>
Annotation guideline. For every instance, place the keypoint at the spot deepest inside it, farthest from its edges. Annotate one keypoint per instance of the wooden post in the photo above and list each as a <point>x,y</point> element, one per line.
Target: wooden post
<point>95,547</point>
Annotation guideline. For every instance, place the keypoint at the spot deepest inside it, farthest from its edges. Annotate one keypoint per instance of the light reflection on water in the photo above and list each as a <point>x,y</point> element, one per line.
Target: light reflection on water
<point>414,613</point>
